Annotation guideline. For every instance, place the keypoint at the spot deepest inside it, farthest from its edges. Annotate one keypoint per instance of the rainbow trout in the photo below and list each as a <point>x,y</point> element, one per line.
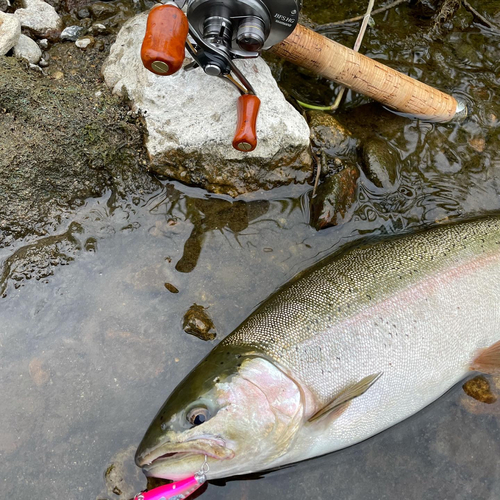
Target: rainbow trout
<point>347,349</point>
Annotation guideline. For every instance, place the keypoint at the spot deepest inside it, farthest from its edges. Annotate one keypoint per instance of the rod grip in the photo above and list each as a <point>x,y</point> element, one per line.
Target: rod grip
<point>163,47</point>
<point>336,62</point>
<point>245,138</point>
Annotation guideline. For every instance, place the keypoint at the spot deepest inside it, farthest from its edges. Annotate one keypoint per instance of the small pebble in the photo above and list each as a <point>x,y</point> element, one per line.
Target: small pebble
<point>479,389</point>
<point>72,33</point>
<point>43,43</point>
<point>83,13</point>
<point>84,43</point>
<point>35,67</point>
<point>98,28</point>
<point>477,143</point>
<point>198,323</point>
<point>171,288</point>
<point>102,10</point>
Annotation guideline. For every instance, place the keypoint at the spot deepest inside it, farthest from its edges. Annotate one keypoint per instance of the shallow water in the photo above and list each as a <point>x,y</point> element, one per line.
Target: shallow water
<point>91,345</point>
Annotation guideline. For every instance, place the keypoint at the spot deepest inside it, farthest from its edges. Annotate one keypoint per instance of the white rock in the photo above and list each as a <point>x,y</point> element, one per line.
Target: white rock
<point>43,43</point>
<point>83,43</point>
<point>39,17</point>
<point>10,31</point>
<point>191,121</point>
<point>26,48</point>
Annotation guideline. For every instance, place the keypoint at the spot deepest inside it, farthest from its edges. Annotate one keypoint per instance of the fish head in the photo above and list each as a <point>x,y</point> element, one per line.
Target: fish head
<point>237,412</point>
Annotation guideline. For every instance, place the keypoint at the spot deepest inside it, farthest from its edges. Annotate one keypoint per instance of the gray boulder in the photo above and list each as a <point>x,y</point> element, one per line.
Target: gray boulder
<point>191,120</point>
<point>10,30</point>
<point>39,17</point>
<point>28,49</point>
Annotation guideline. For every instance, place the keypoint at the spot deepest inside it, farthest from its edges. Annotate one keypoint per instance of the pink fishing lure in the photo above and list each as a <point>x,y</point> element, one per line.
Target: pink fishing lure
<point>174,491</point>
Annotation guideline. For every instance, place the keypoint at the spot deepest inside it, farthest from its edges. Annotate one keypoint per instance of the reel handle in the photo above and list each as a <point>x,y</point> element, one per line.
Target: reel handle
<point>245,138</point>
<point>163,47</point>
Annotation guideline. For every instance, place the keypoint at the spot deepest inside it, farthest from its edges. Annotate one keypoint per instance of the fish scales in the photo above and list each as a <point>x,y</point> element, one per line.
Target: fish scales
<point>307,327</point>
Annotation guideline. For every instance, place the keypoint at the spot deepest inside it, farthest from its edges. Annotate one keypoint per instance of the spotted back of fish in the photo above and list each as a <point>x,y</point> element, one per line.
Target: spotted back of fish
<point>291,325</point>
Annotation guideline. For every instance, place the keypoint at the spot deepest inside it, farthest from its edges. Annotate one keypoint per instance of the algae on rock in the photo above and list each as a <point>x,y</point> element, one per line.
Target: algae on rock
<point>60,144</point>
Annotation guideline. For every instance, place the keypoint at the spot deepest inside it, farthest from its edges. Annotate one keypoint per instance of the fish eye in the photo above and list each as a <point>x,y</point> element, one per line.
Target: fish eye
<point>198,415</point>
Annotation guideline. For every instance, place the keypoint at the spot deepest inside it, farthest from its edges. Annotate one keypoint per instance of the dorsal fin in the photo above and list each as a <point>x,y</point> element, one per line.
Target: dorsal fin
<point>342,400</point>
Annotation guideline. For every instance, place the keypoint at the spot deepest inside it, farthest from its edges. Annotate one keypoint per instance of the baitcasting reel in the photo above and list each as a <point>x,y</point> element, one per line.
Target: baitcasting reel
<point>220,31</point>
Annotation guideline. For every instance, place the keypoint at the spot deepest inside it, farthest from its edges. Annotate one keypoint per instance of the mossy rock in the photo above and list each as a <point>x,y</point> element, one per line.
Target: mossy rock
<point>60,143</point>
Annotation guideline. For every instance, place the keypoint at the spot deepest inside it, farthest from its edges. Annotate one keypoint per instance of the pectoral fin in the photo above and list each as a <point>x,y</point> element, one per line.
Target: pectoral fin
<point>488,360</point>
<point>340,403</point>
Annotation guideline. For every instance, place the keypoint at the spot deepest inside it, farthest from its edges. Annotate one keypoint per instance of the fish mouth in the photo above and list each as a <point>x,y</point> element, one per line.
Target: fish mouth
<point>169,453</point>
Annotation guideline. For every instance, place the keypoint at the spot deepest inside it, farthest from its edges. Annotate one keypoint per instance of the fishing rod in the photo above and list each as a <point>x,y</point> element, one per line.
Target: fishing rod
<point>216,32</point>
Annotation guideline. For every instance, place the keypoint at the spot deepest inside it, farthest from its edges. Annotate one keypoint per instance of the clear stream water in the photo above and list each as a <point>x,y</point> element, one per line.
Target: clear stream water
<point>89,352</point>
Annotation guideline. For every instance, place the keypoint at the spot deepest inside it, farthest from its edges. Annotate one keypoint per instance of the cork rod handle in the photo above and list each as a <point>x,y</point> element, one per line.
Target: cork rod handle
<point>336,62</point>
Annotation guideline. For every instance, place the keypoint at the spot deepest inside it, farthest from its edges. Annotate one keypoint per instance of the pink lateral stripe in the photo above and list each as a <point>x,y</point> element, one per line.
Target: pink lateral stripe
<point>181,489</point>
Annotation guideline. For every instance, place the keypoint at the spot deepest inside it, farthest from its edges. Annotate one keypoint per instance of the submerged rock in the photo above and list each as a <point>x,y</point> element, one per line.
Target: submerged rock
<point>191,121</point>
<point>198,323</point>
<point>334,198</point>
<point>10,30</point>
<point>380,163</point>
<point>102,10</point>
<point>479,389</point>
<point>39,17</point>
<point>330,137</point>
<point>26,48</point>
<point>121,474</point>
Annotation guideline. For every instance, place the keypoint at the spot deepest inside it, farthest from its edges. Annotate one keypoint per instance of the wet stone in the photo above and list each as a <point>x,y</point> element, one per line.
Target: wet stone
<point>330,137</point>
<point>198,323</point>
<point>380,163</point>
<point>102,10</point>
<point>479,389</point>
<point>334,198</point>
<point>171,288</point>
